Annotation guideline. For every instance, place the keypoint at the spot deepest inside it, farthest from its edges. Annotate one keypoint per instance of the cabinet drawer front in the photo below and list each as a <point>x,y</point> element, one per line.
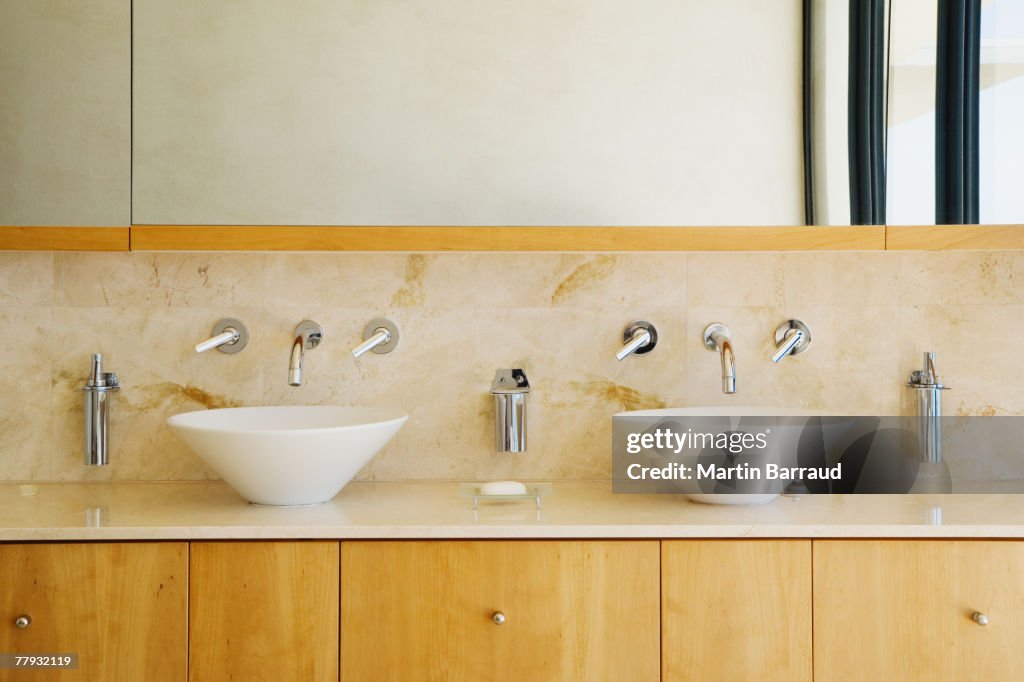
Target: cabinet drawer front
<point>736,610</point>
<point>119,606</point>
<point>902,610</point>
<point>263,611</point>
<point>572,610</point>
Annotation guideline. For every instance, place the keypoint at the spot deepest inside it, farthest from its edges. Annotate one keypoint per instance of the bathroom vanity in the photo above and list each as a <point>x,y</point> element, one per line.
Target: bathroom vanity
<point>407,582</point>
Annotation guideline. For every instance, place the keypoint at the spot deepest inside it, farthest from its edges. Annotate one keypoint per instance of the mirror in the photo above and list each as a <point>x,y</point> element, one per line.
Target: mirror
<point>462,113</point>
<point>967,56</point>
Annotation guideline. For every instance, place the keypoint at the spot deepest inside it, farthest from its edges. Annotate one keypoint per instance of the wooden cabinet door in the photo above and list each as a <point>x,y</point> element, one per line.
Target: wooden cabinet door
<point>119,606</point>
<point>736,610</point>
<point>902,610</point>
<point>263,611</point>
<point>65,112</point>
<point>573,610</point>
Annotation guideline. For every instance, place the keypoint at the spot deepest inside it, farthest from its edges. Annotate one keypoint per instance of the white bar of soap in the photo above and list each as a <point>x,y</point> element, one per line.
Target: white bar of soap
<point>503,488</point>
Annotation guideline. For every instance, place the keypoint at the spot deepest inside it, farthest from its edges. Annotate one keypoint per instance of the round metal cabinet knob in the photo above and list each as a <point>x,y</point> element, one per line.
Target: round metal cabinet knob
<point>979,618</point>
<point>498,618</point>
<point>23,621</point>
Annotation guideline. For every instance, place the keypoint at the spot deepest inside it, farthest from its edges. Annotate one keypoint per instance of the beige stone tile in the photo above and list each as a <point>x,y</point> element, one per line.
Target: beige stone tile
<point>977,351</point>
<point>26,278</point>
<point>560,280</point>
<point>842,279</point>
<point>151,349</point>
<point>736,279</point>
<point>846,369</point>
<point>159,279</point>
<point>462,316</point>
<point>25,445</point>
<point>508,280</point>
<point>345,279</point>
<point>474,280</point>
<point>962,278</point>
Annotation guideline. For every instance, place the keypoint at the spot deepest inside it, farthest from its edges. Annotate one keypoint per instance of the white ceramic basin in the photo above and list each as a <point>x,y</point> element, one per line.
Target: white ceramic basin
<point>784,428</point>
<point>287,455</point>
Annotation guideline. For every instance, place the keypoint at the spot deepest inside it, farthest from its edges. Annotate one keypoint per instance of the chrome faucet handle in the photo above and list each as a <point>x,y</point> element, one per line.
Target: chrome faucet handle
<point>792,337</point>
<point>379,335</point>
<point>228,336</point>
<point>640,337</point>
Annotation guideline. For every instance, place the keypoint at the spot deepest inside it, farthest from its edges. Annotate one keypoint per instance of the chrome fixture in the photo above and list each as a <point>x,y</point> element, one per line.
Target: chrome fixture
<point>228,336</point>
<point>510,389</point>
<point>498,617</point>
<point>792,337</point>
<point>929,409</point>
<point>640,337</point>
<point>22,622</point>
<point>99,390</point>
<point>307,336</point>
<point>379,335</point>
<point>718,338</point>
<point>978,617</point>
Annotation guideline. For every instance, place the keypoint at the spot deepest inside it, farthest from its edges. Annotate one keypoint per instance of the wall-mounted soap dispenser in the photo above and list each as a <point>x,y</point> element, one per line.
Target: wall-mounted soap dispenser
<point>932,473</point>
<point>929,388</point>
<point>510,390</point>
<point>99,392</point>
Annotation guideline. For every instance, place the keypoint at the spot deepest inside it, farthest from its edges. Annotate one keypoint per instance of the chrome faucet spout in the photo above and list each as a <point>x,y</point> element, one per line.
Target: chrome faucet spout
<point>717,338</point>
<point>295,362</point>
<point>308,334</point>
<point>728,366</point>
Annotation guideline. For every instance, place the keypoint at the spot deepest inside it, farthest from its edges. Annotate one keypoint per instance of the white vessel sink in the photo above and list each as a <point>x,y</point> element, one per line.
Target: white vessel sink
<point>784,428</point>
<point>296,455</point>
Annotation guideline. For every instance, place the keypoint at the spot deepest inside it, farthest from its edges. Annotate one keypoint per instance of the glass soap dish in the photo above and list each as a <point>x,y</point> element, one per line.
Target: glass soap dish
<point>534,491</point>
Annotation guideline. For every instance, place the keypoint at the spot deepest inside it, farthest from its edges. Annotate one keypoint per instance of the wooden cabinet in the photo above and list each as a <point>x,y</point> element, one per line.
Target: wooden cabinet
<point>736,610</point>
<point>902,610</point>
<point>119,606</point>
<point>550,611</point>
<point>523,610</point>
<point>263,611</point>
<point>65,115</point>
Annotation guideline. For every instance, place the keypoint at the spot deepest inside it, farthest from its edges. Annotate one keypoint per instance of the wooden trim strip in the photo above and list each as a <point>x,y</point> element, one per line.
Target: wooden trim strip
<point>43,238</point>
<point>954,237</point>
<point>406,238</point>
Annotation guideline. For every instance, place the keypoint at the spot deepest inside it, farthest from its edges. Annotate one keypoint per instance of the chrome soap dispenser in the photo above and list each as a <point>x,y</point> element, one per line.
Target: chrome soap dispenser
<point>99,390</point>
<point>510,389</point>
<point>929,388</point>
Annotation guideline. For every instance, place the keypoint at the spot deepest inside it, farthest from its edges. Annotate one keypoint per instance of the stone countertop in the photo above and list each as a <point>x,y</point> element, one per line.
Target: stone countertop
<point>211,510</point>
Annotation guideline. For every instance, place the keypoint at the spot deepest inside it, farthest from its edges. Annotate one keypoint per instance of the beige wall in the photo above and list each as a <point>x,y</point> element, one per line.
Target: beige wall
<point>462,316</point>
<point>515,112</point>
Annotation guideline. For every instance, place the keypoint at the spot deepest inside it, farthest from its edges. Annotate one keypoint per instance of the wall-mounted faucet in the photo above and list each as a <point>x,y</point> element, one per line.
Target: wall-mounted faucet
<point>99,392</point>
<point>718,338</point>
<point>228,336</point>
<point>640,337</point>
<point>308,335</point>
<point>792,337</point>
<point>379,335</point>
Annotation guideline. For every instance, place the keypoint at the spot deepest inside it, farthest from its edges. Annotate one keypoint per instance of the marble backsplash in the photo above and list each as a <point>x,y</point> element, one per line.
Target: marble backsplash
<point>461,316</point>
